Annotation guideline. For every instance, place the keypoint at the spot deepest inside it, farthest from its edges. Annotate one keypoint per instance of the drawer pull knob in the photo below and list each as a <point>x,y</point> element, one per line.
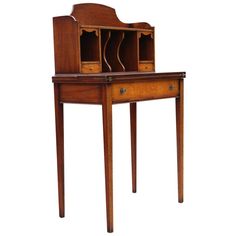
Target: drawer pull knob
<point>122,90</point>
<point>171,87</point>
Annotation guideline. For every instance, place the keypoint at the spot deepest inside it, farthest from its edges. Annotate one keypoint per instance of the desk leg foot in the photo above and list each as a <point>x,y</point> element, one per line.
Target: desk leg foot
<point>60,149</point>
<point>180,141</point>
<point>107,131</point>
<point>133,127</point>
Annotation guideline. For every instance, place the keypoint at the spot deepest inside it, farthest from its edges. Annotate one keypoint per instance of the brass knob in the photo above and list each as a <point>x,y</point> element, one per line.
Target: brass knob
<point>171,87</point>
<point>122,90</point>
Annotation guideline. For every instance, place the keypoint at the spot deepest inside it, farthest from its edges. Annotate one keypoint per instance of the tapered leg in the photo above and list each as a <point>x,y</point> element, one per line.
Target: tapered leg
<point>107,131</point>
<point>180,141</point>
<point>133,126</point>
<point>60,149</point>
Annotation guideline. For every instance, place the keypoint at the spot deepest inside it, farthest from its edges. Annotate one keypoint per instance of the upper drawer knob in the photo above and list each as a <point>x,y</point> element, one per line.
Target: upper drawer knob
<point>171,87</point>
<point>122,90</point>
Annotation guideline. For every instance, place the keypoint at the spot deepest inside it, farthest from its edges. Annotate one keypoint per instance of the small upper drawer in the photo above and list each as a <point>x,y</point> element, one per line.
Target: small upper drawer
<point>146,67</point>
<point>126,92</point>
<point>90,67</point>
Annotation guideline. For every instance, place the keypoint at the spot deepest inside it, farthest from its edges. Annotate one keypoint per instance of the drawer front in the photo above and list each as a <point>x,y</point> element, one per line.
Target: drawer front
<point>90,67</point>
<point>79,93</point>
<point>126,92</point>
<point>146,67</point>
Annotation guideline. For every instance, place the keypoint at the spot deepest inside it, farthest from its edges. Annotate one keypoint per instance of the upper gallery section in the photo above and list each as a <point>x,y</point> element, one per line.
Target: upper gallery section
<point>93,40</point>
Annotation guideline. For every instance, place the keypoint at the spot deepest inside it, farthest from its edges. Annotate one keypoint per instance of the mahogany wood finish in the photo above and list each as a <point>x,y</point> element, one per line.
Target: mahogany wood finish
<point>96,14</point>
<point>101,60</point>
<point>133,127</point>
<point>145,66</point>
<point>66,45</point>
<point>83,93</point>
<point>144,90</point>
<point>93,40</point>
<point>60,148</point>
<point>180,140</point>
<point>107,131</point>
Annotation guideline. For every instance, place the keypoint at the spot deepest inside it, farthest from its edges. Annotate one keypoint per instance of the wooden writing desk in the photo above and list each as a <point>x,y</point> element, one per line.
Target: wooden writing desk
<point>100,60</point>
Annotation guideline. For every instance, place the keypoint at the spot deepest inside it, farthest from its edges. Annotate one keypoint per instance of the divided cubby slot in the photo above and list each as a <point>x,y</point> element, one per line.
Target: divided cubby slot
<point>119,51</point>
<point>128,51</point>
<point>89,46</point>
<point>111,42</point>
<point>106,35</point>
<point>146,47</point>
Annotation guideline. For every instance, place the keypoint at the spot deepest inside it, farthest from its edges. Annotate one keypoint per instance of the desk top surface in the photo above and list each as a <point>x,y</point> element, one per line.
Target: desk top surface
<point>114,77</point>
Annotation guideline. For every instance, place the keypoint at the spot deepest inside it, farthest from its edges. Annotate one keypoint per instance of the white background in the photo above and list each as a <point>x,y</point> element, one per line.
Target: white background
<point>198,37</point>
